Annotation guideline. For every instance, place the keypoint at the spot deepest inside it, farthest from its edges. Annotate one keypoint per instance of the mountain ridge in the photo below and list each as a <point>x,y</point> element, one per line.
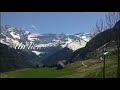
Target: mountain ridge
<point>45,44</point>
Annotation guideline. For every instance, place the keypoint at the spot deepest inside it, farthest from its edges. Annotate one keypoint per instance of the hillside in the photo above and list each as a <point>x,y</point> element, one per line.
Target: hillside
<point>63,54</point>
<point>11,59</point>
<point>107,36</point>
<point>73,70</point>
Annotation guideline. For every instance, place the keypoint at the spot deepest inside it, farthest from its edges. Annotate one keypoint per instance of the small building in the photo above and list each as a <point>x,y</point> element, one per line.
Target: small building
<point>37,66</point>
<point>60,65</point>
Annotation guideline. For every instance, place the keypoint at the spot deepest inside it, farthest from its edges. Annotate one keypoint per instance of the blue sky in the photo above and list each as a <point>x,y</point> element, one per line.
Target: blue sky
<point>52,22</point>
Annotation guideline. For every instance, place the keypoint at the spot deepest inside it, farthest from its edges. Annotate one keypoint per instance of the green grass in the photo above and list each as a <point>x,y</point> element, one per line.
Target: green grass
<point>73,70</point>
<point>111,69</point>
<point>38,73</point>
<point>94,69</point>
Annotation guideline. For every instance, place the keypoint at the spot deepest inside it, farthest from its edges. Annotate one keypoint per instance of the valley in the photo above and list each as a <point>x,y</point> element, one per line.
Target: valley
<point>95,54</point>
<point>73,70</point>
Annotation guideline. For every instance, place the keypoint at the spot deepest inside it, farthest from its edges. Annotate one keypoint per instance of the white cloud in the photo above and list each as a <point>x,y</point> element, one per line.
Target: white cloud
<point>34,27</point>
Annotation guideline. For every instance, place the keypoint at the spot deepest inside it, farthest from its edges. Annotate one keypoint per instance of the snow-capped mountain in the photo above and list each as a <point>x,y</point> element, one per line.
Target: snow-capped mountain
<point>41,44</point>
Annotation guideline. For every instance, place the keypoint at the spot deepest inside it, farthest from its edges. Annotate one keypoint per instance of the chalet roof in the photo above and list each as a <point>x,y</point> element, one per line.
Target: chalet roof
<point>60,63</point>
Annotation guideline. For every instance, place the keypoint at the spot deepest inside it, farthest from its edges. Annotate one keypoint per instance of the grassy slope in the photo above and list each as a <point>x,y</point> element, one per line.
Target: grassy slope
<point>74,70</point>
<point>38,72</point>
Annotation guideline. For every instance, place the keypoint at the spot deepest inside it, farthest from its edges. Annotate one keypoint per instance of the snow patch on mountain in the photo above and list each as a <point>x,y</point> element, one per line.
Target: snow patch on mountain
<point>11,29</point>
<point>33,37</point>
<point>14,35</point>
<point>56,40</point>
<point>74,45</point>
<point>64,44</point>
<point>15,41</point>
<point>37,52</point>
<point>46,45</point>
<point>69,40</point>
<point>77,44</point>
<point>87,39</point>
<point>2,41</point>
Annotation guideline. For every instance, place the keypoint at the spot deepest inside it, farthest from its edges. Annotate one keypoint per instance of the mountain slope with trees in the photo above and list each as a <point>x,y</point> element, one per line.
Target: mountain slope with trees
<point>10,59</point>
<point>98,41</point>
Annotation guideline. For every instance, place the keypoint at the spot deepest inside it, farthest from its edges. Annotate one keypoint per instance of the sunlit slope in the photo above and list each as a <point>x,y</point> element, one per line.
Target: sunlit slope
<point>93,69</point>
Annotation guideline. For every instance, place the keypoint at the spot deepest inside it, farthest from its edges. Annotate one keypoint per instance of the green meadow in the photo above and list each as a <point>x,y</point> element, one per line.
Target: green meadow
<point>72,70</point>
